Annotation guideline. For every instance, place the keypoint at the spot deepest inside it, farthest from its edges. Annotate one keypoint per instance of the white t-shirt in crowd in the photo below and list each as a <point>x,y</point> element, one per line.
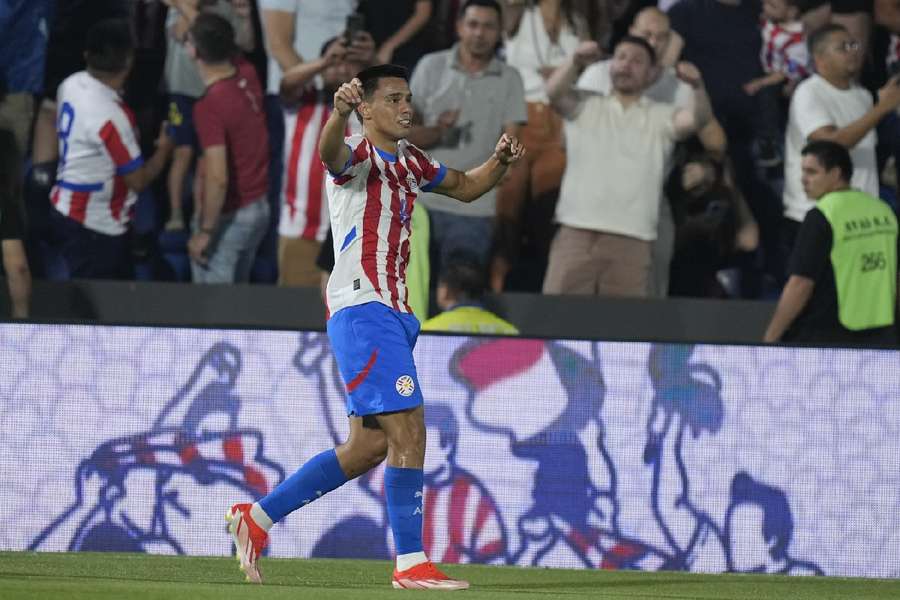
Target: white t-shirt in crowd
<point>616,186</point>
<point>315,22</point>
<point>816,104</point>
<point>531,48</point>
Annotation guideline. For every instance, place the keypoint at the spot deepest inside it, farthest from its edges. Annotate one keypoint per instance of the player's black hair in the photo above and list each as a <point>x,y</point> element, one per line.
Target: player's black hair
<point>465,276</point>
<point>819,37</point>
<point>778,523</point>
<point>213,38</point>
<point>832,156</point>
<point>370,77</point>
<point>639,41</point>
<point>484,3</point>
<point>109,46</point>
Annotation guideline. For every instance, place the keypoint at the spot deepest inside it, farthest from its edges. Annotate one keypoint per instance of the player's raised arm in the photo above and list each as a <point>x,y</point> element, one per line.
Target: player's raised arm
<point>470,185</point>
<point>332,149</point>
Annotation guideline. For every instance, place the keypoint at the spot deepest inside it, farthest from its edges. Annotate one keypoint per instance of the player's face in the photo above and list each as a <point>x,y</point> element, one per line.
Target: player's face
<point>479,31</point>
<point>749,549</point>
<point>655,29</point>
<point>630,68</point>
<point>390,109</point>
<point>818,181</point>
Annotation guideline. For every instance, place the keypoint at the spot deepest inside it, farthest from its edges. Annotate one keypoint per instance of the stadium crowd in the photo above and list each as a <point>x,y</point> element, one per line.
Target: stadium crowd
<point>664,139</point>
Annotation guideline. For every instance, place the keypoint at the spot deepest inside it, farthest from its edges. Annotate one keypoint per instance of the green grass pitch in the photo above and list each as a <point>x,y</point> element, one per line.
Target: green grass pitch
<point>135,576</point>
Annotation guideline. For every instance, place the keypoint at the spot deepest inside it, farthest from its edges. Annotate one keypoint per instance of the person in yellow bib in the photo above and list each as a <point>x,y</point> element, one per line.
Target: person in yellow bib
<point>460,294</point>
<point>843,271</point>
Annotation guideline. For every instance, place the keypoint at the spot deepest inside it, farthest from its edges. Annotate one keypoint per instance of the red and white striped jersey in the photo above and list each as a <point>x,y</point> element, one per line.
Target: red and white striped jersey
<point>304,204</point>
<point>371,202</point>
<point>784,49</point>
<point>98,143</point>
<point>893,54</point>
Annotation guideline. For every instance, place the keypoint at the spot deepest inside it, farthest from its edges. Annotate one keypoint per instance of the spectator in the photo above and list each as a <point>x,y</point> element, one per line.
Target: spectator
<point>12,230</point>
<point>184,85</point>
<point>721,37</point>
<point>652,25</point>
<point>100,167</point>
<point>604,242</point>
<point>831,106</point>
<point>712,224</point>
<point>785,60</point>
<point>464,98</point>
<point>540,36</point>
<point>843,283</point>
<point>304,220</point>
<point>460,295</point>
<point>295,31</point>
<point>231,126</point>
<point>23,51</point>
<point>403,46</point>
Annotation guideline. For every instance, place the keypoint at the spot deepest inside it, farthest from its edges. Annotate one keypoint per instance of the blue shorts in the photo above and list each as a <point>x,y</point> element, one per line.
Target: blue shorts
<point>181,120</point>
<point>373,346</point>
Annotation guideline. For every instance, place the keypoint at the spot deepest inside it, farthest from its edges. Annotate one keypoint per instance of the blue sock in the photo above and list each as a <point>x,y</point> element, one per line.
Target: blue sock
<point>321,474</point>
<point>403,488</point>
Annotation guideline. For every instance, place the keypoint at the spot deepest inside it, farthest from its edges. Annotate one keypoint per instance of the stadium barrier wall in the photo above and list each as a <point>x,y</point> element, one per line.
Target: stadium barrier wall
<point>265,306</point>
<point>622,455</point>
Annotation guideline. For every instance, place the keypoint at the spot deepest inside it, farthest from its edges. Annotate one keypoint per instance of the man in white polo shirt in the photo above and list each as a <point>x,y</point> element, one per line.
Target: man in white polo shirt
<point>832,106</point>
<point>617,147</point>
<point>653,25</point>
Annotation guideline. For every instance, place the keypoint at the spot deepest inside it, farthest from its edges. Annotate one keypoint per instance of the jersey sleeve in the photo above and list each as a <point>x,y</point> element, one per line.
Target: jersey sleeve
<point>209,125</point>
<point>120,142</point>
<point>429,171</point>
<point>359,154</point>
<point>812,251</point>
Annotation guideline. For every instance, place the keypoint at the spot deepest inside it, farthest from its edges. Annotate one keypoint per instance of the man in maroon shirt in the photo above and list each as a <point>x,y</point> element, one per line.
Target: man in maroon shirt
<point>231,126</point>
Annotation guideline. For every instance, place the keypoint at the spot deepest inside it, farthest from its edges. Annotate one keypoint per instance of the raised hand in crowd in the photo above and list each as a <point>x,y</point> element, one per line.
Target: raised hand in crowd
<point>689,74</point>
<point>587,53</point>
<point>361,48</point>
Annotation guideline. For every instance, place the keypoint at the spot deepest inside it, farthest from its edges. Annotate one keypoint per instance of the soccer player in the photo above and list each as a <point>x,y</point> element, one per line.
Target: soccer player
<point>375,180</point>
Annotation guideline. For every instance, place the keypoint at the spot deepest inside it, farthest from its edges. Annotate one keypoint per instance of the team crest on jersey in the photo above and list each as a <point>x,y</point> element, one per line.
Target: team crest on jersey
<point>405,386</point>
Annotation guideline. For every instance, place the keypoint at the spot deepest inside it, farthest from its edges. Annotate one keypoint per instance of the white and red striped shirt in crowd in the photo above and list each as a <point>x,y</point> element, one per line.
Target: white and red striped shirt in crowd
<point>371,202</point>
<point>893,55</point>
<point>784,49</point>
<point>304,205</point>
<point>98,143</point>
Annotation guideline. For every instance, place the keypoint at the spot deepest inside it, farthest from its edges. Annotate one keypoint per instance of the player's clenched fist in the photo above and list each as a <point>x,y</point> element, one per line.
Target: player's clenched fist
<point>348,97</point>
<point>509,149</point>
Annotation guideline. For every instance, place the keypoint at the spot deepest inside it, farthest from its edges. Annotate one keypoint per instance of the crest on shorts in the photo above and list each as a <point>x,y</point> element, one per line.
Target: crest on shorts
<point>405,386</point>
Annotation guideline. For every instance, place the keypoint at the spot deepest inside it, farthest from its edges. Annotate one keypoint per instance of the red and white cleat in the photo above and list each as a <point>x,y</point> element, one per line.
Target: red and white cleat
<point>426,576</point>
<point>249,540</point>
